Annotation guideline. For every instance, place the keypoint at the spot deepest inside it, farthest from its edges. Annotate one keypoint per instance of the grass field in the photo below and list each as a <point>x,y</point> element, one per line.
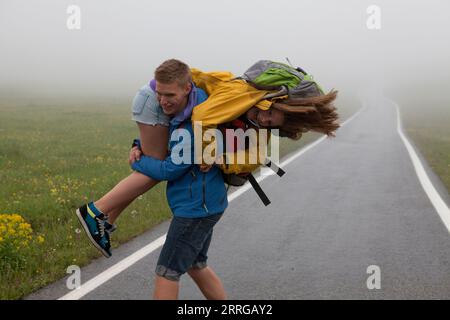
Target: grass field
<point>52,160</point>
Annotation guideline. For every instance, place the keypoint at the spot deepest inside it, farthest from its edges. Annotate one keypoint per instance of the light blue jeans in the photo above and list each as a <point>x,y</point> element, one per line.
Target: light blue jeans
<point>146,108</point>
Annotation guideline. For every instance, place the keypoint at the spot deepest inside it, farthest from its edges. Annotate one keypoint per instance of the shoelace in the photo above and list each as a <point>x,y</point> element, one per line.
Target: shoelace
<point>101,225</point>
<point>110,228</point>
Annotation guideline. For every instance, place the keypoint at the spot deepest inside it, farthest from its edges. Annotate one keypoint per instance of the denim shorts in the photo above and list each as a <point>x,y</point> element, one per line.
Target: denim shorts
<point>146,108</point>
<point>186,246</point>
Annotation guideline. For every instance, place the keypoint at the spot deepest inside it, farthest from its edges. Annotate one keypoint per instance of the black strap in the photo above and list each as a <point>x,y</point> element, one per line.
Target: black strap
<point>258,190</point>
<point>280,172</point>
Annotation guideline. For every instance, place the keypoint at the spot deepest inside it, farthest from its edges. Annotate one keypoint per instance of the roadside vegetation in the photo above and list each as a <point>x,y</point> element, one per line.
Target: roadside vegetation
<point>429,128</point>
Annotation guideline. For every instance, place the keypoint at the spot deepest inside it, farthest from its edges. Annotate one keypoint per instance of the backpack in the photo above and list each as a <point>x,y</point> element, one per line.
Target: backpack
<point>270,75</point>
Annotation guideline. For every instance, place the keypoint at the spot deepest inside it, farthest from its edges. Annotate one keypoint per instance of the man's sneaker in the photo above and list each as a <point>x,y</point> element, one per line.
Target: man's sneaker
<point>94,225</point>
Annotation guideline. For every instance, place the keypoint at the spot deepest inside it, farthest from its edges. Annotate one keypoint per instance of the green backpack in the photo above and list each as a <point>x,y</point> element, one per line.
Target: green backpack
<point>270,75</point>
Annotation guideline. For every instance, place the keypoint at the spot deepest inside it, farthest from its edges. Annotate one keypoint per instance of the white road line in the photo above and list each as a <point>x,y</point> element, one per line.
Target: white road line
<point>439,205</point>
<point>114,270</point>
<point>141,253</point>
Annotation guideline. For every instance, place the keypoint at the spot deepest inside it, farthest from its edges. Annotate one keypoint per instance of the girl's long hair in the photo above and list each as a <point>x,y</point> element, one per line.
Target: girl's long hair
<point>308,114</point>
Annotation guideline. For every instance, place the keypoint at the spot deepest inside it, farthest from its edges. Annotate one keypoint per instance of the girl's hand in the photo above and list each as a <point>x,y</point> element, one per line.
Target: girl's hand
<point>135,155</point>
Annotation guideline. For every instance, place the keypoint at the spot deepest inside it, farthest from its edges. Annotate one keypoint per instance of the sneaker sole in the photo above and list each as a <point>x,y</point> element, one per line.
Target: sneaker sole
<point>88,233</point>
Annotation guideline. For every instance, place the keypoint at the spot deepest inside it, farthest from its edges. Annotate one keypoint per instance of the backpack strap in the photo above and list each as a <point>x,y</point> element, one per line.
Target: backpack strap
<point>258,190</point>
<point>284,90</point>
<point>280,172</point>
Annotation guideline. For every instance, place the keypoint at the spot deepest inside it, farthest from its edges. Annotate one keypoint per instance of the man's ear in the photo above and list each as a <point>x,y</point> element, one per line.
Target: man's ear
<point>188,88</point>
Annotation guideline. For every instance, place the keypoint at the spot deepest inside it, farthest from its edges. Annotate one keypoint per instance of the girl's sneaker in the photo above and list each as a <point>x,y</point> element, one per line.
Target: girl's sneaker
<point>94,225</point>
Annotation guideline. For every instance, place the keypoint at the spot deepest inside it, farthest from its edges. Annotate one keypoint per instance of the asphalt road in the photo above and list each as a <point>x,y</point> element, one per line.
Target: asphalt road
<point>348,203</point>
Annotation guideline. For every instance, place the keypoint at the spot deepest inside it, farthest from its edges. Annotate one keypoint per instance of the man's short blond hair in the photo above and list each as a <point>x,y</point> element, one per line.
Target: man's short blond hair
<point>173,70</point>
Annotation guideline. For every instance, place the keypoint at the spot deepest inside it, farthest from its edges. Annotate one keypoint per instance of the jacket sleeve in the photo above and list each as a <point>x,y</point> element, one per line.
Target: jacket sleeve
<point>227,98</point>
<point>160,169</point>
<point>166,169</point>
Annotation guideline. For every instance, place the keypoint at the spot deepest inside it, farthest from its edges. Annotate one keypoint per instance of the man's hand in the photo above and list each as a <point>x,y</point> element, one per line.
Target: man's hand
<point>135,155</point>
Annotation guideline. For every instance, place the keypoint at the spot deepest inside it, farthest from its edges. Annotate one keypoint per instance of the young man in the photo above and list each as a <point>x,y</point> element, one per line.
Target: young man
<point>197,200</point>
<point>159,111</point>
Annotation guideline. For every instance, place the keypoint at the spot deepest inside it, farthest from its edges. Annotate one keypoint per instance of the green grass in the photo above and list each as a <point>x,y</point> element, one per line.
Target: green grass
<point>429,128</point>
<point>46,173</point>
<point>55,158</point>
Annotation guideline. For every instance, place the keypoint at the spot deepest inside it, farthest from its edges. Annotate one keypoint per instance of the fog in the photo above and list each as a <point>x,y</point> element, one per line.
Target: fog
<point>120,43</point>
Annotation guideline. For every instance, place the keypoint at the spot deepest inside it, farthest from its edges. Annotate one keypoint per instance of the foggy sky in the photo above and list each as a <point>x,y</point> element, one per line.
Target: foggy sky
<point>121,42</point>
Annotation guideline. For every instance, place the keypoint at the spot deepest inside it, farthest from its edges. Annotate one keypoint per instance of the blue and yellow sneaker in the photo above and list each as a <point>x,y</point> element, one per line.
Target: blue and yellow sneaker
<point>93,223</point>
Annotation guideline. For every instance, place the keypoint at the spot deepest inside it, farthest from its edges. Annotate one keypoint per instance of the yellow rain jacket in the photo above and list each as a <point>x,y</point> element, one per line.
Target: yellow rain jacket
<point>228,99</point>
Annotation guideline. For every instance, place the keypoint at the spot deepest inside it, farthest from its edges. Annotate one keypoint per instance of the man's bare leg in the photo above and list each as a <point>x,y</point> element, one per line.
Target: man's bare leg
<point>165,289</point>
<point>208,282</point>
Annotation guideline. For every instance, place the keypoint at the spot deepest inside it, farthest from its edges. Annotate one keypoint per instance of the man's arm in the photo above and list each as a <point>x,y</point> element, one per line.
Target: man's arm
<point>165,169</point>
<point>160,169</point>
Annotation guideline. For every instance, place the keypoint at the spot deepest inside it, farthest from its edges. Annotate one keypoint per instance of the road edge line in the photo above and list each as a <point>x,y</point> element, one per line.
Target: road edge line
<point>438,203</point>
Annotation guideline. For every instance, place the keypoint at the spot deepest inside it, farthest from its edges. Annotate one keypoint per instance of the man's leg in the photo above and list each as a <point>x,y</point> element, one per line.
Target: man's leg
<point>165,289</point>
<point>185,250</point>
<point>208,283</point>
<point>204,276</point>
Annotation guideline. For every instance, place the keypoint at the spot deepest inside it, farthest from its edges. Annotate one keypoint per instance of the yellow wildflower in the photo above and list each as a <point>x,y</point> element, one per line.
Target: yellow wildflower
<point>14,230</point>
<point>40,239</point>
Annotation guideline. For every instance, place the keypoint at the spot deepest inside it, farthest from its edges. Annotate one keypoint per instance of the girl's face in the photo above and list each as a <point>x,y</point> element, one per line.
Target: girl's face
<point>266,118</point>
